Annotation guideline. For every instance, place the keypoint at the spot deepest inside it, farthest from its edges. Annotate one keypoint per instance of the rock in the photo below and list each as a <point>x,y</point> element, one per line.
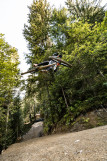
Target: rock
<point>35,131</point>
<point>77,141</point>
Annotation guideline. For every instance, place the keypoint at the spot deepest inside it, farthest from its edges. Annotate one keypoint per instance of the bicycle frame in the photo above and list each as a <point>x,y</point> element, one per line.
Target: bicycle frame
<point>38,68</point>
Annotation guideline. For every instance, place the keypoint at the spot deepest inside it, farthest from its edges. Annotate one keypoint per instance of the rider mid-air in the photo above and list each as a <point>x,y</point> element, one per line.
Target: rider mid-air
<point>51,65</point>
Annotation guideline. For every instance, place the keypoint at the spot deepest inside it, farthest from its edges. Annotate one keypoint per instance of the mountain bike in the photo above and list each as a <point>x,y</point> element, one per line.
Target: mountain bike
<point>45,68</point>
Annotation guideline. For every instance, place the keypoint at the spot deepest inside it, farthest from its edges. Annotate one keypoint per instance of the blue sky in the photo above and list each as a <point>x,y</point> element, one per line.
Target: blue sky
<point>13,16</point>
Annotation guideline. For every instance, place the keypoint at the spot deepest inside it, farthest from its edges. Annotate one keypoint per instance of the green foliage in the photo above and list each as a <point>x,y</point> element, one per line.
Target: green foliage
<point>87,11</point>
<point>9,80</point>
<point>59,25</point>
<point>36,33</point>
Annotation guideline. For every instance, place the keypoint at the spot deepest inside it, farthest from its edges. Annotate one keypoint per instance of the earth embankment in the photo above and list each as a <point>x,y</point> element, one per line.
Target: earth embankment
<point>87,145</point>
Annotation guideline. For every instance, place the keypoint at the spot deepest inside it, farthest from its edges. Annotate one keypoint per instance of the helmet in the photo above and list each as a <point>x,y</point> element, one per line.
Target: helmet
<point>60,56</point>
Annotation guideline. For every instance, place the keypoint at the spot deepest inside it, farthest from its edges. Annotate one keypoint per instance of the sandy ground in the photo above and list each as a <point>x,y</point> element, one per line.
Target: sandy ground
<point>87,145</point>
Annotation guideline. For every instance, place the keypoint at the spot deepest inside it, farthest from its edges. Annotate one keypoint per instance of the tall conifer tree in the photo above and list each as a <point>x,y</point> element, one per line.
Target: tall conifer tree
<point>36,32</point>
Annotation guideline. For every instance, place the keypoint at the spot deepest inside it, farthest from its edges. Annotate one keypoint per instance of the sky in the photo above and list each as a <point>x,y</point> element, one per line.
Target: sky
<point>13,16</point>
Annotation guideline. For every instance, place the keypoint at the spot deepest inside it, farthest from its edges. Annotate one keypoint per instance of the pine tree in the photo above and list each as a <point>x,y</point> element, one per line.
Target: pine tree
<point>36,32</point>
<point>87,10</point>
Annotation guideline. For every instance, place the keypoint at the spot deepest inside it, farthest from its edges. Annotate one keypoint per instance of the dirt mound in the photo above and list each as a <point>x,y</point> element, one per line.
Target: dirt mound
<point>87,145</point>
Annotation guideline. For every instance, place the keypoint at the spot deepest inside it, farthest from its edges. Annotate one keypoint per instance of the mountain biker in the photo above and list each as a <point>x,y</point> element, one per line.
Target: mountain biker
<point>50,62</point>
<point>51,65</point>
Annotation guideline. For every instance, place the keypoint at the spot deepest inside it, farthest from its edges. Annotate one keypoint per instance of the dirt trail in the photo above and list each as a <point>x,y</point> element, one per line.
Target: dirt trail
<point>87,145</point>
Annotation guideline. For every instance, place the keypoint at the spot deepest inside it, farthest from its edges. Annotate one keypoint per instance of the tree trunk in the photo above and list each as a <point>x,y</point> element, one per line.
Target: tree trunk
<point>64,97</point>
<point>6,130</point>
<point>34,111</point>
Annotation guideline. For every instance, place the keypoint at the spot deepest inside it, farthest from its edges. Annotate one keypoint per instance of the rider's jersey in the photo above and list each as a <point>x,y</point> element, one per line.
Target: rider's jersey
<point>54,67</point>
